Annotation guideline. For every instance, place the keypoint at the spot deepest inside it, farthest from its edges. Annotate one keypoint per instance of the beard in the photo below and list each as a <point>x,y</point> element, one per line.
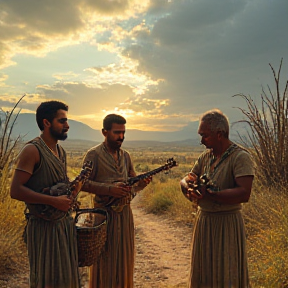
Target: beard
<point>115,145</point>
<point>58,135</point>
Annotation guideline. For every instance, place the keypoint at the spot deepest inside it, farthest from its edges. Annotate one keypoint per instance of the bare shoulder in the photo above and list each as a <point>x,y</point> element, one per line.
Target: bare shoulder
<point>27,158</point>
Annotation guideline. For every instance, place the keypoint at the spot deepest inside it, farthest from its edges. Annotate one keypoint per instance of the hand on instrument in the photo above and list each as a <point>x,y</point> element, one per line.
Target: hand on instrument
<point>190,188</point>
<point>76,187</point>
<point>144,182</point>
<point>63,202</point>
<point>119,190</point>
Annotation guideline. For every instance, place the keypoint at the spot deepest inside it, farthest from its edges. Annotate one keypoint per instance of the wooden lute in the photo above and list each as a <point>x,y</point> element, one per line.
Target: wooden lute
<point>51,213</point>
<point>112,202</point>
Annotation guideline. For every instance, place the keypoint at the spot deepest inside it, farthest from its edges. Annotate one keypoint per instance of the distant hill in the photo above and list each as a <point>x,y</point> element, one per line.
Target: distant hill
<point>27,128</point>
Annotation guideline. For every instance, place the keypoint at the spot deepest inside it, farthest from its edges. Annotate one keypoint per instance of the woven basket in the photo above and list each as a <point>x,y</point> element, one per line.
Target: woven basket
<point>91,240</point>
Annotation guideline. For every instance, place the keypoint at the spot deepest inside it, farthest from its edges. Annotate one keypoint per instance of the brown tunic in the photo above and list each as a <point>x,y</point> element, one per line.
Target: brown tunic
<point>52,248</point>
<point>218,258</point>
<point>115,267</point>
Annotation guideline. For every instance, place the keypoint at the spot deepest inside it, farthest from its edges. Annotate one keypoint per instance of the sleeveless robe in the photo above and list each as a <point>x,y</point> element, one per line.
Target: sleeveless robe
<point>52,246</point>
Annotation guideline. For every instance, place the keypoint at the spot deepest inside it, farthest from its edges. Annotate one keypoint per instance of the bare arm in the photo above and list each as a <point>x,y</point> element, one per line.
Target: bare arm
<point>236,195</point>
<point>239,194</point>
<point>27,160</point>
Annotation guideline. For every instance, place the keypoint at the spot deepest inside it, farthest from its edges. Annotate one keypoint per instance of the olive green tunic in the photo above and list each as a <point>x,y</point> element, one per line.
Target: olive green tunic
<point>116,266</point>
<point>52,246</point>
<point>218,258</point>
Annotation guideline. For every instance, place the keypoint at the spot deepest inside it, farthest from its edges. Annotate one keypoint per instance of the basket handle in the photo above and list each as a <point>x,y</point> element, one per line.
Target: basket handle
<point>90,210</point>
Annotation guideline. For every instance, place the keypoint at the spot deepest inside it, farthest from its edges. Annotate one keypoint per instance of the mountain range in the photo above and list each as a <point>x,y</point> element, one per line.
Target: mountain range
<point>27,128</point>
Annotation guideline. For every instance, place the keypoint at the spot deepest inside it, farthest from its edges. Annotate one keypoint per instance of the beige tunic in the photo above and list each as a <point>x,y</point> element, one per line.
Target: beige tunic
<point>116,266</point>
<point>52,246</point>
<point>218,258</point>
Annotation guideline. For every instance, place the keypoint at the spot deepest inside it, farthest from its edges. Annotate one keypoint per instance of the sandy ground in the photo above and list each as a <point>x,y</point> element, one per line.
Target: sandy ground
<point>162,254</point>
<point>162,251</point>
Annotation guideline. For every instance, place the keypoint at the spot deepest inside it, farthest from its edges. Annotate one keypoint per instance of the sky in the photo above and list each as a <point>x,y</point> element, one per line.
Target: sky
<point>159,63</point>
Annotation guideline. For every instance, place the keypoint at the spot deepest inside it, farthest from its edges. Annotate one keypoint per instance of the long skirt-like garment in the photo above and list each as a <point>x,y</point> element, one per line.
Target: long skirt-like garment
<point>218,258</point>
<point>116,265</point>
<point>52,252</point>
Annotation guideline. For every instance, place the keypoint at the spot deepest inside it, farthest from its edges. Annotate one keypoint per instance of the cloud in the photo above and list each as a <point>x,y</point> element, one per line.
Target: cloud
<point>65,76</point>
<point>125,72</point>
<point>109,7</point>
<point>39,27</point>
<point>93,99</point>
<point>27,105</point>
<point>208,51</point>
<point>36,16</point>
<point>3,78</point>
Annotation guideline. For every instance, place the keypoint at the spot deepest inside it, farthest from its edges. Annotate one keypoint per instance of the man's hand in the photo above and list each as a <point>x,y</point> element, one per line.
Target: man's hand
<point>144,182</point>
<point>119,190</point>
<point>187,186</point>
<point>62,202</point>
<point>60,199</point>
<point>76,187</point>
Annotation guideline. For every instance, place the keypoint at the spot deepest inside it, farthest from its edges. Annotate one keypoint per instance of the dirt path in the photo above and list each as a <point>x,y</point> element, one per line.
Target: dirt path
<point>162,250</point>
<point>162,253</point>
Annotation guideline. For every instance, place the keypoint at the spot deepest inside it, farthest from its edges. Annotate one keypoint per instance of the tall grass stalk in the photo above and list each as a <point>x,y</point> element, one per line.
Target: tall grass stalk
<point>268,134</point>
<point>12,252</point>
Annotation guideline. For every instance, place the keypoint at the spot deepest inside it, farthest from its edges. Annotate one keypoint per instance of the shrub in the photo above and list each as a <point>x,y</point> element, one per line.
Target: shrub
<point>160,197</point>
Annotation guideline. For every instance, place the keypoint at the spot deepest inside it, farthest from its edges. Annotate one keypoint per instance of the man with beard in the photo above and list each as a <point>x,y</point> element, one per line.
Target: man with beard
<point>112,166</point>
<point>50,237</point>
<point>219,256</point>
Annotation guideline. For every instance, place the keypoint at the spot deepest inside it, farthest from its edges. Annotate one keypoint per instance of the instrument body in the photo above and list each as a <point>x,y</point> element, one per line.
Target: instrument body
<point>51,213</point>
<point>203,180</point>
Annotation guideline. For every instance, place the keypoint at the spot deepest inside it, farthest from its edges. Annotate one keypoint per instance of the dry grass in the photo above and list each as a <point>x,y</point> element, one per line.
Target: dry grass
<point>266,217</point>
<point>12,249</point>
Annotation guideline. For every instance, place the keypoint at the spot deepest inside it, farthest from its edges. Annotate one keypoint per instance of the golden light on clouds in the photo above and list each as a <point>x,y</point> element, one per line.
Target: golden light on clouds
<point>65,76</point>
<point>125,73</point>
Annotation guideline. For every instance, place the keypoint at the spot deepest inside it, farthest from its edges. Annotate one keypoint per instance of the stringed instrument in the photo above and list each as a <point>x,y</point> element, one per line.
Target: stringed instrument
<point>112,202</point>
<point>51,213</point>
<point>170,163</point>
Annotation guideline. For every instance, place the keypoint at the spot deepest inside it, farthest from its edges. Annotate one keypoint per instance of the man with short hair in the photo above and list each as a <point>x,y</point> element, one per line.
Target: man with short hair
<point>50,230</point>
<point>111,169</point>
<point>226,172</point>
